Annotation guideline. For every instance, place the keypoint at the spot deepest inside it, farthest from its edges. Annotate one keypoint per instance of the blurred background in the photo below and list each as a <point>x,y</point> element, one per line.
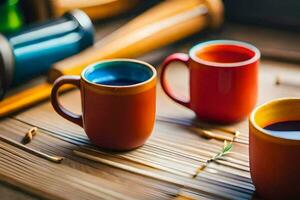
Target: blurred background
<point>271,13</point>
<point>271,25</point>
<point>274,23</point>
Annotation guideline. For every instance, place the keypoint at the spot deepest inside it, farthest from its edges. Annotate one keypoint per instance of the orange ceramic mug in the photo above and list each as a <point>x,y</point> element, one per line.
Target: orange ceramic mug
<point>274,159</point>
<point>118,102</point>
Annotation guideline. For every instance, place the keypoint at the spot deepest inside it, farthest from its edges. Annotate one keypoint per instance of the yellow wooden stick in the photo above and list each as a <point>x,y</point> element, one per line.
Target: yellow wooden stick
<point>167,22</point>
<point>95,9</point>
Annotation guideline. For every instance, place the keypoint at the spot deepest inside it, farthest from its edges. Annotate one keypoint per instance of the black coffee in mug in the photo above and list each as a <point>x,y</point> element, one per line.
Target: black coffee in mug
<point>118,82</point>
<point>285,129</point>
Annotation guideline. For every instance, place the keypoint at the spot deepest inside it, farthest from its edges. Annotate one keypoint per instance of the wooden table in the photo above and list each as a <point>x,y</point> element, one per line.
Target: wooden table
<point>163,168</point>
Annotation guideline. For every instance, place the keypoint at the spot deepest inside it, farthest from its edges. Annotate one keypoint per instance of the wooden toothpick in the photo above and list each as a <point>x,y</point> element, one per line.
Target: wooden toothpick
<point>56,159</point>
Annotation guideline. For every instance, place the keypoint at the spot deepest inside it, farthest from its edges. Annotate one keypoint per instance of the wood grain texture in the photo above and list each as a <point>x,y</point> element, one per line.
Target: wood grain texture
<point>161,169</point>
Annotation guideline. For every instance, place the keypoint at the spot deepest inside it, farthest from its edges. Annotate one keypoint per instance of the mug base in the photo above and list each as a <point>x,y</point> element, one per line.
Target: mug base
<point>115,147</point>
<point>118,149</point>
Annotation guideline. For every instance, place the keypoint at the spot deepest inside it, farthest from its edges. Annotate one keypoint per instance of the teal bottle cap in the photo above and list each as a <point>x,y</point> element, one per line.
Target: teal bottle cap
<point>86,25</point>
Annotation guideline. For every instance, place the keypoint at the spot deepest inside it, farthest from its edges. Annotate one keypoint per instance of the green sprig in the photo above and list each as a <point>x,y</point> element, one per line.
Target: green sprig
<point>227,147</point>
<point>225,150</point>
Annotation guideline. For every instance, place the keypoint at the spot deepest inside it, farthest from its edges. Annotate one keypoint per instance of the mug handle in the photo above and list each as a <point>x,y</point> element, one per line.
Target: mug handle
<point>176,57</point>
<point>73,80</point>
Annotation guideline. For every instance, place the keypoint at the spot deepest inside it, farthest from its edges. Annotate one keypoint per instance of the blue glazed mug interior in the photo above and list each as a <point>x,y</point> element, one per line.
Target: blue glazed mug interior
<point>118,73</point>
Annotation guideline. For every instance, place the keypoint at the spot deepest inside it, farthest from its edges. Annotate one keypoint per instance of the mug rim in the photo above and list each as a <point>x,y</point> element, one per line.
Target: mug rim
<point>152,77</point>
<point>196,48</point>
<point>265,133</point>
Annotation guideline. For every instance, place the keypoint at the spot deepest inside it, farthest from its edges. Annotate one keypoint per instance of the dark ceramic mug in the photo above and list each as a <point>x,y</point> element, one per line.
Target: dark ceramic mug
<point>118,102</point>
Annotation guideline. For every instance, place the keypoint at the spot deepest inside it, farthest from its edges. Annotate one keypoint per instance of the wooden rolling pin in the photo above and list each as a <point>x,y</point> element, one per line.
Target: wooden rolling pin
<point>40,10</point>
<point>163,24</point>
<point>95,9</point>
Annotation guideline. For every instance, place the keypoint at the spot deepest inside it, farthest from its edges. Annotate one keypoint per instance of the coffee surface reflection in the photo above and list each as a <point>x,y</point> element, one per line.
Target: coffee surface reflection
<point>286,129</point>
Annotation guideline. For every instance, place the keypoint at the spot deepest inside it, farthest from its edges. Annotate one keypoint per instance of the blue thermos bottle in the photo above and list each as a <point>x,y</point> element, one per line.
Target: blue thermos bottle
<point>31,51</point>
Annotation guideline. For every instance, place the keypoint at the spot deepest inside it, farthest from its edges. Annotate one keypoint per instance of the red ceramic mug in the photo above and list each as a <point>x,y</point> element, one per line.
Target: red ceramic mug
<point>223,79</point>
<point>118,102</point>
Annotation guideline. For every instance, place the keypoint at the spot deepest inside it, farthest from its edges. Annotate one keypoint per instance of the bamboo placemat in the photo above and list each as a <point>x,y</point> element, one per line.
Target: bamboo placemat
<point>161,169</point>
